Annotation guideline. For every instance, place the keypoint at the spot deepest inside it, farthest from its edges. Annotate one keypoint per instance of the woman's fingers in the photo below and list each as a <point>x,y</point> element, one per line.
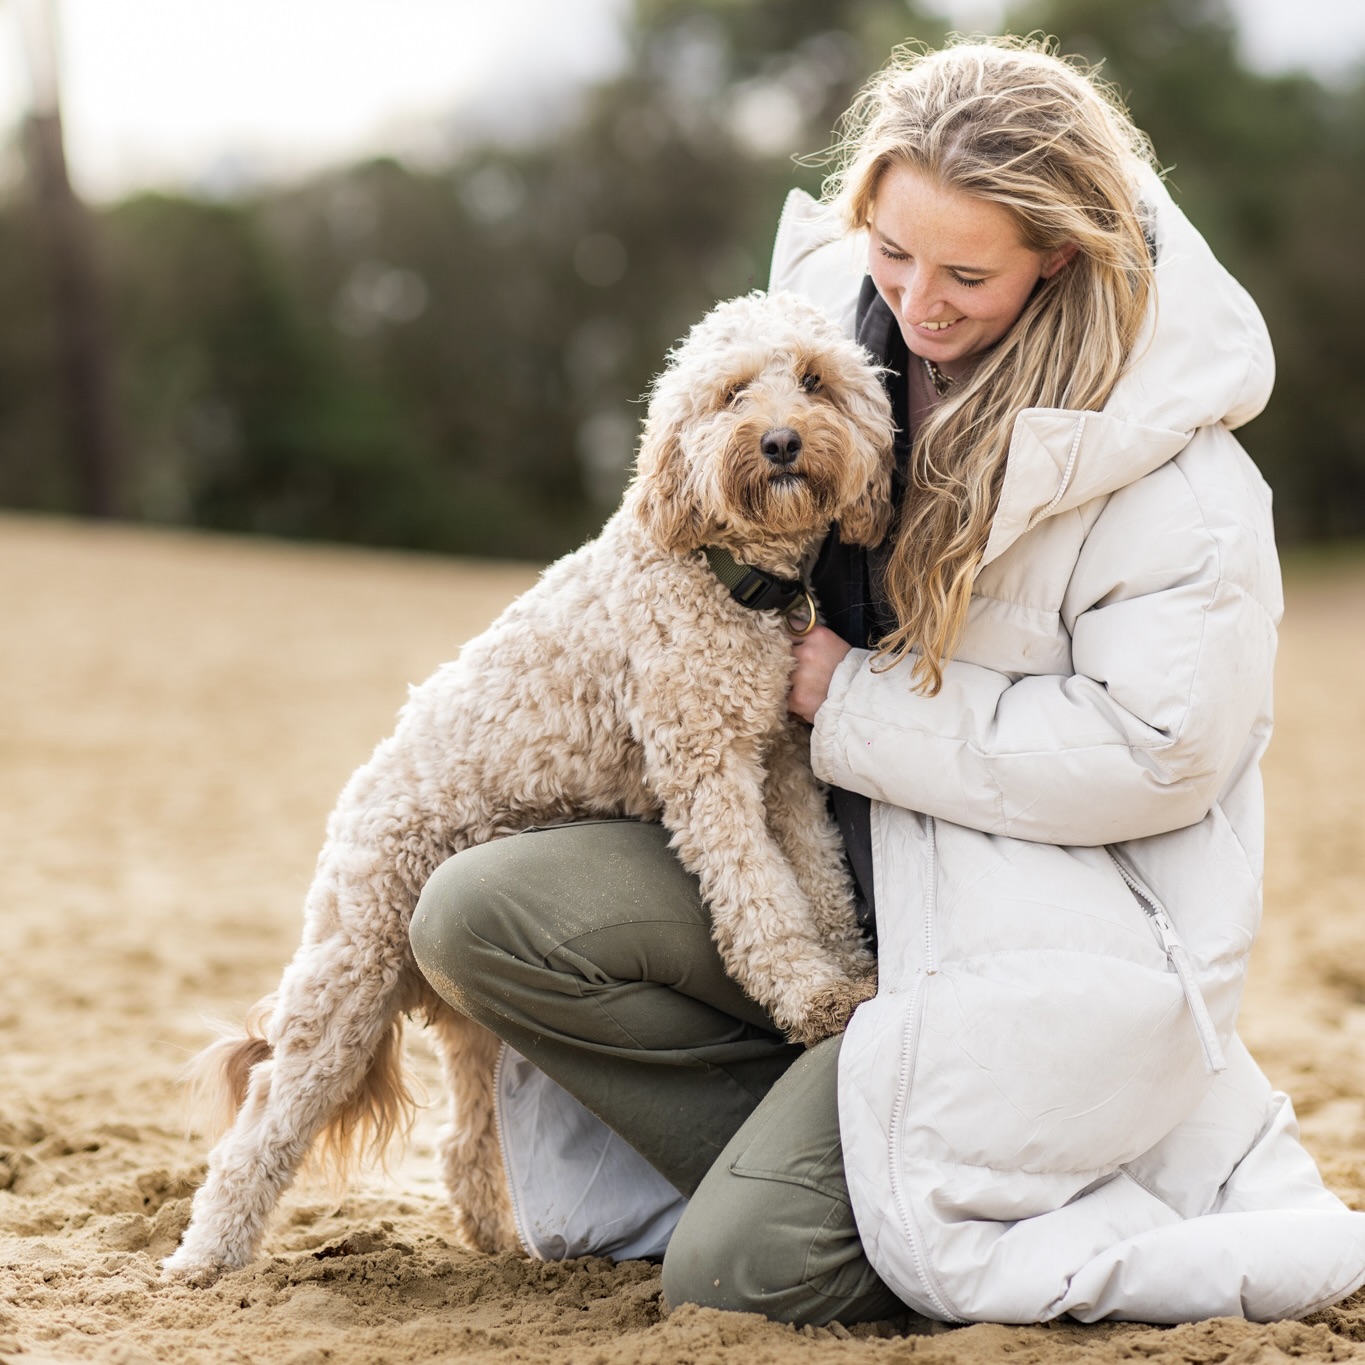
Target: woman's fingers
<point>817,656</point>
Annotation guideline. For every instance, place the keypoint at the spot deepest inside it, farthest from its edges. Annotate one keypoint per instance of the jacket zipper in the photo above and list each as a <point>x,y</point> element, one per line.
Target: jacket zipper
<point>518,1219</point>
<point>914,1017</point>
<point>1179,958</point>
<point>1048,508</point>
<point>930,898</point>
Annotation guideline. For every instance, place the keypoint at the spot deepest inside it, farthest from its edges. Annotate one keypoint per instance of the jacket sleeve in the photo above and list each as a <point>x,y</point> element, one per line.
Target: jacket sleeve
<point>1171,609</point>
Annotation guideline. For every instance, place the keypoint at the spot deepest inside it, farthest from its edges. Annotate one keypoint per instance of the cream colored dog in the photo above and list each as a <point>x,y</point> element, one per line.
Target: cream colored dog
<point>668,703</point>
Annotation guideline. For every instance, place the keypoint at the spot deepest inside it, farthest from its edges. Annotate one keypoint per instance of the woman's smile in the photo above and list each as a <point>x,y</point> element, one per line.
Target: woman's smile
<point>952,267</point>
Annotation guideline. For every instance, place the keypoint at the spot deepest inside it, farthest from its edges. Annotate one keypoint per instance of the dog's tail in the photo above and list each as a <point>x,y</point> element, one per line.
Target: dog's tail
<point>219,1075</point>
<point>380,1109</point>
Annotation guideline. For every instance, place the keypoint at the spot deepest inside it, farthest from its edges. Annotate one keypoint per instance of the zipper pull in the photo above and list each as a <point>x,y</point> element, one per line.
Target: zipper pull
<point>1214,1061</point>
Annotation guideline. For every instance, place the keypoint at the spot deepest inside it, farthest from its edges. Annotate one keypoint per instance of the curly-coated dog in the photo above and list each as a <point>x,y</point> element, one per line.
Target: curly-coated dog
<point>627,682</point>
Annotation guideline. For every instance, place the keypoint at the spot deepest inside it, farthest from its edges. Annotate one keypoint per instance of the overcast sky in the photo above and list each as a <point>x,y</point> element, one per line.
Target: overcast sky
<point>208,93</point>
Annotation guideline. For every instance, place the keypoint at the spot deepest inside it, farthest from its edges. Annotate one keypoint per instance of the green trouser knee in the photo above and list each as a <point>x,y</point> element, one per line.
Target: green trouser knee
<point>770,1229</point>
<point>588,949</point>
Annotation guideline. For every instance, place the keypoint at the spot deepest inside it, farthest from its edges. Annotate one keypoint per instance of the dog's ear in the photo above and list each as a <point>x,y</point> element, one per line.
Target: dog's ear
<point>868,520</point>
<point>853,383</point>
<point>658,495</point>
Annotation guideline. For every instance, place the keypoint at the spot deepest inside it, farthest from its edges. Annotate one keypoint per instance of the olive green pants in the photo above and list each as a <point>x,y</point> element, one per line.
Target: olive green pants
<point>588,949</point>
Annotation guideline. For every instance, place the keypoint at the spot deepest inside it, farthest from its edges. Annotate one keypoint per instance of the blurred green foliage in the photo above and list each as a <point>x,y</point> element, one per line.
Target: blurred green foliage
<point>452,359</point>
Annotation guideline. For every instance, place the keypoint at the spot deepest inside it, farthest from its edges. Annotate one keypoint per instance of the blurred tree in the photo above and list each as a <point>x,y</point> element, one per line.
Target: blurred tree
<point>248,417</point>
<point>81,350</point>
<point>34,469</point>
<point>1272,170</point>
<point>664,196</point>
<point>436,291</point>
<point>452,359</point>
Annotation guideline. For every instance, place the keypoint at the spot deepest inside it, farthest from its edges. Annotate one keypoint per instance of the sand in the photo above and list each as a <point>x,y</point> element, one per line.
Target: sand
<point>177,714</point>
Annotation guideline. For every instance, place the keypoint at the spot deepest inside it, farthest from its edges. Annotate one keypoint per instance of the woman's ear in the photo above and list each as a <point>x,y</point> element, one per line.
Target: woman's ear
<point>1055,260</point>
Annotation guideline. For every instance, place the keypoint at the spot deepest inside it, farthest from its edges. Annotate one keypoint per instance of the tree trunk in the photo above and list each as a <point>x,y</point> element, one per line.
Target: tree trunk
<point>82,334</point>
<point>84,361</point>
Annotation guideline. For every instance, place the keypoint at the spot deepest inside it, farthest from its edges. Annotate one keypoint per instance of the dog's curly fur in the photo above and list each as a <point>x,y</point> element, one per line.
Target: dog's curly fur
<point>625,683</point>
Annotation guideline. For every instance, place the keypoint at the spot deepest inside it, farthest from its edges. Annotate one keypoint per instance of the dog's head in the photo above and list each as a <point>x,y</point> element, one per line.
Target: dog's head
<point>766,426</point>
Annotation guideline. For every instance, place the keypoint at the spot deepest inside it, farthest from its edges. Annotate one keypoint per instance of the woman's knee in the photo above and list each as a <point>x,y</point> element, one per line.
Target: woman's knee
<point>454,926</point>
<point>517,899</point>
<point>711,1256</point>
<point>738,1248</point>
<point>770,1229</point>
<point>810,1268</point>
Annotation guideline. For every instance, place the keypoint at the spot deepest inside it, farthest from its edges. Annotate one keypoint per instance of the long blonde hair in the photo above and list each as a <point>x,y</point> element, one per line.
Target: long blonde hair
<point>1010,122</point>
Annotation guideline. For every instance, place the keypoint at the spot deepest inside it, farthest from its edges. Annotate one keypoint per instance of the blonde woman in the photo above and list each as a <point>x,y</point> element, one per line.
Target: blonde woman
<point>1040,707</point>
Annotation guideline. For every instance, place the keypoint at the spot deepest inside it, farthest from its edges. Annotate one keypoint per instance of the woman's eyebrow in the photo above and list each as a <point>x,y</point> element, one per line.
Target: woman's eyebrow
<point>900,250</point>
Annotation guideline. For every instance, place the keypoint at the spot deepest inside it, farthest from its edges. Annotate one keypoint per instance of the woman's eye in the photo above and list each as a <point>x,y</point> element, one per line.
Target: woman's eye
<point>966,283</point>
<point>893,255</point>
<point>811,382</point>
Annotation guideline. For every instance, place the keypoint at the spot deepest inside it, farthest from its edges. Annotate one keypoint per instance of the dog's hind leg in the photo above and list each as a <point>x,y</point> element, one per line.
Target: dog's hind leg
<point>334,1017</point>
<point>471,1160</point>
<point>332,1034</point>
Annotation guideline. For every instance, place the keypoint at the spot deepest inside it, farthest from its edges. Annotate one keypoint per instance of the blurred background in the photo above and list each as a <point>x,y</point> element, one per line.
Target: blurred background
<point>397,271</point>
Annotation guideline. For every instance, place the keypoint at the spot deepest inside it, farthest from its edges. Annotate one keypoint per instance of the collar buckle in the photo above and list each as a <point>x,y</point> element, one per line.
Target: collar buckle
<point>759,590</point>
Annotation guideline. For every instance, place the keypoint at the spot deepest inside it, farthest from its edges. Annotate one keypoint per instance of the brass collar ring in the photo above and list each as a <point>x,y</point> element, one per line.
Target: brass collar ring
<point>803,610</point>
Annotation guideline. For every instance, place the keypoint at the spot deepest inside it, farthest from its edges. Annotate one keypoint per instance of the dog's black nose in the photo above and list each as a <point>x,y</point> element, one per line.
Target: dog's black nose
<point>781,445</point>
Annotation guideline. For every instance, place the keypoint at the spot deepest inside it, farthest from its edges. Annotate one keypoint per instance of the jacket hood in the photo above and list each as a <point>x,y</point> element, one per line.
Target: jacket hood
<point>1203,359</point>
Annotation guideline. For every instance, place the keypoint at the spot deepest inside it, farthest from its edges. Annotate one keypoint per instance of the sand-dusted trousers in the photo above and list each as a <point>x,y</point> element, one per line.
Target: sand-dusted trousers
<point>588,949</point>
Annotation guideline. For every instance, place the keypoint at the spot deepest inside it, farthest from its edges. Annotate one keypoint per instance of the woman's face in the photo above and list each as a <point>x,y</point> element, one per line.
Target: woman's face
<point>951,267</point>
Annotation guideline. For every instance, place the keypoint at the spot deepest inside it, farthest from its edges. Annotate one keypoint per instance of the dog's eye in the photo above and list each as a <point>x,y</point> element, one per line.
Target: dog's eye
<point>734,393</point>
<point>810,381</point>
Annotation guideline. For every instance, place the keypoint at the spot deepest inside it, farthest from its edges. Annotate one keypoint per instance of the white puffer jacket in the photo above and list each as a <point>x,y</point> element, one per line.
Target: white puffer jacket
<point>1045,1110</point>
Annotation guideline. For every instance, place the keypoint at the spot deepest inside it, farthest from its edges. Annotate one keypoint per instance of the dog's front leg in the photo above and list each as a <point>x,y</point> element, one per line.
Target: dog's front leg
<point>799,818</point>
<point>761,918</point>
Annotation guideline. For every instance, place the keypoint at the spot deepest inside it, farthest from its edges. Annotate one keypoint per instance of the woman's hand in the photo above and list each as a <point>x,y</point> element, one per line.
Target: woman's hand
<point>817,656</point>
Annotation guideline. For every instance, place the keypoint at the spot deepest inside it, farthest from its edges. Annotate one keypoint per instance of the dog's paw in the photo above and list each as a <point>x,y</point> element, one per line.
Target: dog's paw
<point>195,1271</point>
<point>828,1011</point>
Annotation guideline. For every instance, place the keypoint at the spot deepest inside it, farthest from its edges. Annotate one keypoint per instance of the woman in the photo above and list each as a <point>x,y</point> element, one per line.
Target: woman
<point>1040,707</point>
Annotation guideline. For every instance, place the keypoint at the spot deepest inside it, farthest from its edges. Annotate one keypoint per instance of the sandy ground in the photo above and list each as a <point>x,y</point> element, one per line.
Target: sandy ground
<point>177,714</point>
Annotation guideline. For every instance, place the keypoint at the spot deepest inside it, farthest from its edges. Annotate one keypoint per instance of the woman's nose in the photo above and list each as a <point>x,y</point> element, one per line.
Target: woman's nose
<point>917,300</point>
